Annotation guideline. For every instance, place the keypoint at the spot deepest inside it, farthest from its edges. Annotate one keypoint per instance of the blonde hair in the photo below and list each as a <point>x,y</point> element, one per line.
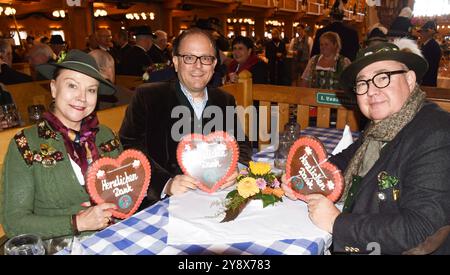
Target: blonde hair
<point>334,38</point>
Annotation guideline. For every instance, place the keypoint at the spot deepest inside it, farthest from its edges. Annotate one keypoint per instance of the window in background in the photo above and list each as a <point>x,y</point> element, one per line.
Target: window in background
<point>23,36</point>
<point>431,8</point>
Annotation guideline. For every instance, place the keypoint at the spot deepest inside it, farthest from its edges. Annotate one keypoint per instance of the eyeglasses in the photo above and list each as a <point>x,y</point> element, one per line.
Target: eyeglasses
<point>192,59</point>
<point>380,80</point>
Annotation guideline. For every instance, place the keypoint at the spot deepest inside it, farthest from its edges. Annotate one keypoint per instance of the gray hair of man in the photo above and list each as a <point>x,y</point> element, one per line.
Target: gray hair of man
<point>160,37</point>
<point>39,54</point>
<point>105,64</point>
<point>6,51</point>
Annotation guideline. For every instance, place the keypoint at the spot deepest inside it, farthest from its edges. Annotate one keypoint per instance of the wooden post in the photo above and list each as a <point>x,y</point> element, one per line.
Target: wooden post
<point>79,24</point>
<point>259,27</point>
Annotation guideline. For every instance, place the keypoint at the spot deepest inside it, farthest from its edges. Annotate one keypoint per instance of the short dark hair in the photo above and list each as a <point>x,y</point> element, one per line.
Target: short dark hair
<point>192,31</point>
<point>248,42</point>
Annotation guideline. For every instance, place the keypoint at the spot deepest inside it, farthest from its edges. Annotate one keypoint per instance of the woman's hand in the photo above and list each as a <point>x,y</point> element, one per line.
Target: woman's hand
<point>322,211</point>
<point>230,180</point>
<point>181,184</point>
<point>95,217</point>
<point>288,192</point>
<point>233,77</point>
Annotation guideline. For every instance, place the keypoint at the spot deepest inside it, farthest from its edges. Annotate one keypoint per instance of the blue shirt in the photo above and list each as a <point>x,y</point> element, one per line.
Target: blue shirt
<point>197,105</point>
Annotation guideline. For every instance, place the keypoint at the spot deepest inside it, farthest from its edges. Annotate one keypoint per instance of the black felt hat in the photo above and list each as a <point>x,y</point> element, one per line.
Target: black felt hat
<point>56,39</point>
<point>143,30</point>
<point>429,25</point>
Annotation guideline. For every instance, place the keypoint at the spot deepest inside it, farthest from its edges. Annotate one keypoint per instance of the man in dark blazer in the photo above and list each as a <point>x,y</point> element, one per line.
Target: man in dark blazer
<point>349,36</point>
<point>148,125</point>
<point>158,52</point>
<point>396,195</point>
<point>431,51</point>
<point>7,74</point>
<point>136,60</point>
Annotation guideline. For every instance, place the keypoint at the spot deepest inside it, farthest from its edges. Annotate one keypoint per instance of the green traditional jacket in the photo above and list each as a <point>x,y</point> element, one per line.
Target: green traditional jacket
<point>40,188</point>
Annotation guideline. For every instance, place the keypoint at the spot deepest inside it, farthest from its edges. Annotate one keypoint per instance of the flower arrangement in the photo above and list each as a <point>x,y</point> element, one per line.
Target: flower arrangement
<point>152,68</point>
<point>257,182</point>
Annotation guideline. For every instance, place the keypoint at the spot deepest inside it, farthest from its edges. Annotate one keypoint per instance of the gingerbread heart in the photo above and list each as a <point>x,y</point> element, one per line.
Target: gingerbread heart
<point>309,172</point>
<point>123,181</point>
<point>210,159</point>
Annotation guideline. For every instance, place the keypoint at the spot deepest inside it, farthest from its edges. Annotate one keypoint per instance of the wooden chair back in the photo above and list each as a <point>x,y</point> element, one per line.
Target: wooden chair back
<point>440,96</point>
<point>30,93</point>
<point>129,81</point>
<point>23,67</point>
<point>112,117</point>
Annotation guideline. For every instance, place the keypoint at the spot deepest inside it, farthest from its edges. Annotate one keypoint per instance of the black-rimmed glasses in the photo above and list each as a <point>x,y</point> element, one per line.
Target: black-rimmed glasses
<point>192,59</point>
<point>380,80</point>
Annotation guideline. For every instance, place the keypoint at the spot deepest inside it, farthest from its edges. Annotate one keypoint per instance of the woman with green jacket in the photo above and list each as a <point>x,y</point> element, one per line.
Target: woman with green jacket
<point>43,178</point>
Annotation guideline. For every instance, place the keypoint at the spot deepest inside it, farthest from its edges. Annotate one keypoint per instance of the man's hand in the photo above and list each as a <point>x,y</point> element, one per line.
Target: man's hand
<point>322,211</point>
<point>230,180</point>
<point>181,184</point>
<point>288,192</point>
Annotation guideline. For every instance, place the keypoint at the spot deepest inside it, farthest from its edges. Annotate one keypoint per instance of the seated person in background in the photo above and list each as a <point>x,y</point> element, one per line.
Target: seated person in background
<point>148,123</point>
<point>37,55</point>
<point>396,193</point>
<point>7,74</point>
<point>323,70</point>
<point>44,190</point>
<point>136,60</point>
<point>158,52</point>
<point>244,58</point>
<point>57,44</point>
<point>376,36</point>
<point>105,63</point>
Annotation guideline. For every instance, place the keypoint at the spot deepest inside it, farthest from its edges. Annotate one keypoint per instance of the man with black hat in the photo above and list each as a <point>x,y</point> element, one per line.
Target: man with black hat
<point>349,36</point>
<point>136,60</point>
<point>57,44</point>
<point>431,51</point>
<point>396,194</point>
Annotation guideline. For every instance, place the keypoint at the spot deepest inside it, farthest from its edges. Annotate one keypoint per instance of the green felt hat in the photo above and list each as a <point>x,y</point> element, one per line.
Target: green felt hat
<point>79,61</point>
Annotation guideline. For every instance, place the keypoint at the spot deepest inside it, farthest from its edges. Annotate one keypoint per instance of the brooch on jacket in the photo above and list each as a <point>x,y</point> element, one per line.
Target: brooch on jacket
<point>48,156</point>
<point>385,181</point>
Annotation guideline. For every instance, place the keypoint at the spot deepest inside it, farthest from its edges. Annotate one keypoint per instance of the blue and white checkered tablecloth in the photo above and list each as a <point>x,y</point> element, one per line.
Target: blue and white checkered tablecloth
<point>144,233</point>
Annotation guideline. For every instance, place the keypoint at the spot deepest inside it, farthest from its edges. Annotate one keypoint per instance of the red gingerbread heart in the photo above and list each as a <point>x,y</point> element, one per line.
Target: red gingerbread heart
<point>210,159</point>
<point>309,172</point>
<point>122,181</point>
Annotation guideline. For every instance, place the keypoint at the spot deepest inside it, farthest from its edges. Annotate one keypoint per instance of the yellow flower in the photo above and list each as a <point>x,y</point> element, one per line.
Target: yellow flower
<point>259,168</point>
<point>247,187</point>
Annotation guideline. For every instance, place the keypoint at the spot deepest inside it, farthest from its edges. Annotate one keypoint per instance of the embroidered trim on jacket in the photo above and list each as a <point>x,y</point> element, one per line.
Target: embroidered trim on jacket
<point>44,131</point>
<point>47,156</point>
<point>24,149</point>
<point>110,145</point>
